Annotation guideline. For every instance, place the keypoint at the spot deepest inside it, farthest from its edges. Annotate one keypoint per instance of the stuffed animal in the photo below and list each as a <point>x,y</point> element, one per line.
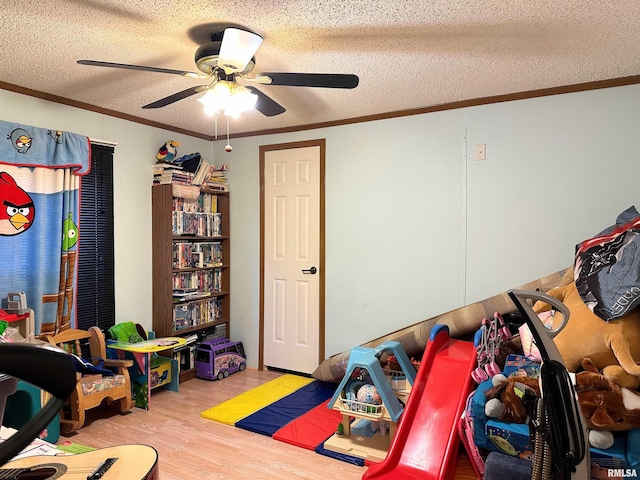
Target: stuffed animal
<point>504,399</point>
<point>614,346</point>
<point>604,404</point>
<point>168,151</point>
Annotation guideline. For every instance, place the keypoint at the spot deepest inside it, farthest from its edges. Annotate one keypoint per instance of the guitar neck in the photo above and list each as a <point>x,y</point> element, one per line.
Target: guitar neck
<point>131,462</point>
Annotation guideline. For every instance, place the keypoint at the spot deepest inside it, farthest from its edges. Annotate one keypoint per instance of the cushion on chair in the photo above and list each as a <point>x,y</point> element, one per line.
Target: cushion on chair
<point>97,383</point>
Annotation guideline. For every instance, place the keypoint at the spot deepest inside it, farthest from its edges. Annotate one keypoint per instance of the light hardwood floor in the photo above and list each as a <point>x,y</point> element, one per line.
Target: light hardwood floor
<point>191,447</point>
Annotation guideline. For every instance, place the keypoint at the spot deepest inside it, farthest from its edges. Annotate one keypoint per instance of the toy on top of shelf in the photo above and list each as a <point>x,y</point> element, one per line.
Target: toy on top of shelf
<point>168,151</point>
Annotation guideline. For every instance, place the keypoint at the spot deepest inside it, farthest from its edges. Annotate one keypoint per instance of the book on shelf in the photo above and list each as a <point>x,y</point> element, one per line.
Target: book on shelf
<point>190,340</point>
<point>196,293</point>
<point>207,281</point>
<point>196,254</point>
<point>218,170</point>
<point>217,180</point>
<point>217,187</point>
<point>196,260</point>
<point>193,170</point>
<point>196,223</point>
<point>201,173</point>
<point>167,170</point>
<point>216,176</point>
<point>172,175</point>
<point>160,167</point>
<point>181,291</point>
<point>219,331</point>
<point>192,314</point>
<point>182,294</point>
<point>205,203</point>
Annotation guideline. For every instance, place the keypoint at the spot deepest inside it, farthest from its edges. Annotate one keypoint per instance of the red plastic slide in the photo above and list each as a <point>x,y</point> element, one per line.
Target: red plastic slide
<point>426,443</point>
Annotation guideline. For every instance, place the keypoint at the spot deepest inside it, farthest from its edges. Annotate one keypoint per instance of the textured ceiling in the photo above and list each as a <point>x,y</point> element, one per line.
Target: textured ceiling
<point>408,54</point>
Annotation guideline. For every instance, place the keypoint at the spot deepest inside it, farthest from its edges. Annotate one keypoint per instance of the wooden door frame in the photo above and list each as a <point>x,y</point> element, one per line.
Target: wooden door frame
<point>321,143</point>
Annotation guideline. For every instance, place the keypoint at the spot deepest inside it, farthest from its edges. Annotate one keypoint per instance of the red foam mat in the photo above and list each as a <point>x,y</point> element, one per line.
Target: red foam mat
<point>310,429</point>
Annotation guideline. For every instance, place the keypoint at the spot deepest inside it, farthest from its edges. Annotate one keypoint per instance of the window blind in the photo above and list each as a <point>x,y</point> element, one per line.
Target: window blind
<point>95,301</point>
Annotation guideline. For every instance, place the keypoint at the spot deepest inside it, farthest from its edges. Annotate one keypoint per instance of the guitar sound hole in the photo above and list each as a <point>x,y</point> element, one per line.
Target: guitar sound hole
<point>38,473</point>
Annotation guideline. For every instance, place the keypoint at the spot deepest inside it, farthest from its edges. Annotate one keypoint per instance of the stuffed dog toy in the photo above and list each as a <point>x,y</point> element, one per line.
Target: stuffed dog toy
<point>613,347</point>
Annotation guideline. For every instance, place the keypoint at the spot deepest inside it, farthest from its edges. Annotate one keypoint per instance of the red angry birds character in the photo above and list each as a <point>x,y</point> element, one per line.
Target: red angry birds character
<point>16,207</point>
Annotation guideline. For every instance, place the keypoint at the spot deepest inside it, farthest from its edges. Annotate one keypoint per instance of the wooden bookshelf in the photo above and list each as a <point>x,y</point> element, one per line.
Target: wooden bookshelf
<point>207,314</point>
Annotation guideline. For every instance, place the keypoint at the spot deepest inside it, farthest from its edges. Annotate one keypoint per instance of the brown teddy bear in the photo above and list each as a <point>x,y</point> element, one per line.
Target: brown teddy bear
<point>604,405</point>
<point>613,347</point>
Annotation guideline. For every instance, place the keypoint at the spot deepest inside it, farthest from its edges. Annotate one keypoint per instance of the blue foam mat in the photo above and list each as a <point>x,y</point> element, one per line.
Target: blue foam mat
<point>271,418</point>
<point>339,456</point>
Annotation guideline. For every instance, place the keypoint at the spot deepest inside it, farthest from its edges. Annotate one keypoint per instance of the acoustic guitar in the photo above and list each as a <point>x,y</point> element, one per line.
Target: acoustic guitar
<point>113,463</point>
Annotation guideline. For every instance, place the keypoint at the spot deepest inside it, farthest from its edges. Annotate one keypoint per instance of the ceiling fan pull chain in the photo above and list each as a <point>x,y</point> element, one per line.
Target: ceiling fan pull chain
<point>228,147</point>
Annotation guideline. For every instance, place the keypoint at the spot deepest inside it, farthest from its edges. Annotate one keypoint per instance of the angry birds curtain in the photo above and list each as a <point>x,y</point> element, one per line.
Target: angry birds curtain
<point>40,172</point>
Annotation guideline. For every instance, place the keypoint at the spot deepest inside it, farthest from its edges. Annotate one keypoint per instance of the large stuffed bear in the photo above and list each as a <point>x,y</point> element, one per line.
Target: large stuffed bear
<point>614,346</point>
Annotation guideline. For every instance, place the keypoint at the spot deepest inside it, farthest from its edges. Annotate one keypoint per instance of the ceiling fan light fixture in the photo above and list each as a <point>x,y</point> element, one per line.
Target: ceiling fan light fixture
<point>228,98</point>
<point>216,97</point>
<point>240,101</point>
<point>237,49</point>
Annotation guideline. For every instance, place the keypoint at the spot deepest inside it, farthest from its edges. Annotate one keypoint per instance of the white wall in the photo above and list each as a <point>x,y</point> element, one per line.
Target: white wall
<point>415,226</point>
<point>394,229</point>
<point>558,170</point>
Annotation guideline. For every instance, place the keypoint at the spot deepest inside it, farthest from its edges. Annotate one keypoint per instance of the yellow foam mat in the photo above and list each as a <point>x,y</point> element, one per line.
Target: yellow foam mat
<point>249,402</point>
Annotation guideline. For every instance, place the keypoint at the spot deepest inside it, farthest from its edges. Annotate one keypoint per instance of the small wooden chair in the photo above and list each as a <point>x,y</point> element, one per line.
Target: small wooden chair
<point>94,390</point>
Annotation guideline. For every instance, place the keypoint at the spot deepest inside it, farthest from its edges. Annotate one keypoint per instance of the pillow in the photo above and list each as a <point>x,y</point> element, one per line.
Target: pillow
<point>607,268</point>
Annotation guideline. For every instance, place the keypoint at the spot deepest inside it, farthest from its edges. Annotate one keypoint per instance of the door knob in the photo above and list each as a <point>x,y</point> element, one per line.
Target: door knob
<point>312,270</point>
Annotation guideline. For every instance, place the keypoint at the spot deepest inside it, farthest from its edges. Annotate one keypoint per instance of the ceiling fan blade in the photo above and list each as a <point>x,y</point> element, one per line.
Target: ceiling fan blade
<point>237,48</point>
<point>266,105</point>
<point>326,80</point>
<point>125,66</point>
<point>163,102</point>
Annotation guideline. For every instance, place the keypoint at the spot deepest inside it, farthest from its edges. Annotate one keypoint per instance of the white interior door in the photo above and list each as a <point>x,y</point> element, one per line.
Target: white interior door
<point>291,338</point>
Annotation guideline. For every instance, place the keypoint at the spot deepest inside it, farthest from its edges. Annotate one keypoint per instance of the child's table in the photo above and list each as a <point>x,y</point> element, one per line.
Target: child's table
<point>144,353</point>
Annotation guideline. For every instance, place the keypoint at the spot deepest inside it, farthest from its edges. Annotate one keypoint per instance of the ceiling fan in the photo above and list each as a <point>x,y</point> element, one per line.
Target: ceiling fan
<point>229,56</point>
